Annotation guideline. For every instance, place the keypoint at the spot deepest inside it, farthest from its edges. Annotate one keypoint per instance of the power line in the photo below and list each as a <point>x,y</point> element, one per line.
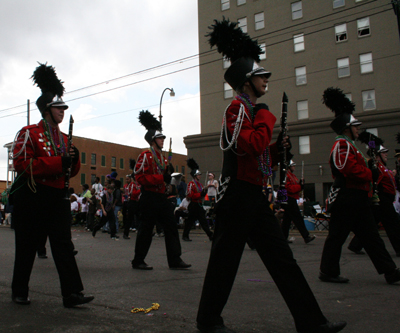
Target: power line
<point>208,53</point>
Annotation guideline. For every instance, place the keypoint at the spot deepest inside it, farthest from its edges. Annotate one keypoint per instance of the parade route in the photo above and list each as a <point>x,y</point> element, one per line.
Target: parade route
<point>367,302</point>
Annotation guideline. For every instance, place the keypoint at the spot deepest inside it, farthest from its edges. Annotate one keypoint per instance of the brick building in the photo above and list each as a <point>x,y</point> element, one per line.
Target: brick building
<point>100,158</point>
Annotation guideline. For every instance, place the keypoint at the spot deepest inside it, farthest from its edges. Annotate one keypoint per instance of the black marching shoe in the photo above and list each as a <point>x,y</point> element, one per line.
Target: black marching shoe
<point>335,279</point>
<point>328,328</point>
<point>143,266</point>
<point>181,265</point>
<point>186,239</point>
<point>394,277</point>
<point>42,256</point>
<point>20,300</point>
<point>76,299</point>
<point>214,329</point>
<point>356,251</point>
<point>309,239</point>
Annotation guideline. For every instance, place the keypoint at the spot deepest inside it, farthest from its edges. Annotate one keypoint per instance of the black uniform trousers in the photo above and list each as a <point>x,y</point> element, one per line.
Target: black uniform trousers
<point>153,208</point>
<point>244,212</point>
<point>110,218</point>
<point>196,212</point>
<point>45,212</point>
<point>385,213</point>
<point>352,212</point>
<point>293,214</point>
<point>129,212</point>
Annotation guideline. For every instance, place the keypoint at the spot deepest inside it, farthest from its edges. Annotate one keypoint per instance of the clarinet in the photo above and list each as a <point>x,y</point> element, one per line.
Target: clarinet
<point>282,192</point>
<point>397,178</point>
<point>68,172</point>
<point>375,197</point>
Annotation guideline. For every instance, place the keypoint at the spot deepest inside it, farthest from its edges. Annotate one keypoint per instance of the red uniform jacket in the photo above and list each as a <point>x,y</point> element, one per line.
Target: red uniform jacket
<point>386,180</point>
<point>193,192</point>
<point>293,186</point>
<point>46,168</point>
<point>351,164</point>
<point>253,138</point>
<point>132,190</point>
<point>148,174</point>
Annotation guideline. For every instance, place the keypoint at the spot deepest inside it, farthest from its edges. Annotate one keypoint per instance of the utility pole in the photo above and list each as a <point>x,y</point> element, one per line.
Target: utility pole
<point>28,113</point>
<point>396,8</point>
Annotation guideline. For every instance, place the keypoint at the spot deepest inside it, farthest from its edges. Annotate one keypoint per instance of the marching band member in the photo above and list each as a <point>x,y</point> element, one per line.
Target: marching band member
<point>41,204</point>
<point>152,172</point>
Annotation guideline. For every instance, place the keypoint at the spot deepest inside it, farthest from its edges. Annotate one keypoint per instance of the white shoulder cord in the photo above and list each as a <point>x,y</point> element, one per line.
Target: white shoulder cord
<point>336,151</point>
<point>236,131</point>
<point>23,148</point>
<point>142,166</point>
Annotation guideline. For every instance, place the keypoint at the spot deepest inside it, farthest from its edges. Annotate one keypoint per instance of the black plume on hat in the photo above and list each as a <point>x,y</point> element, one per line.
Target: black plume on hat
<point>148,120</point>
<point>336,100</point>
<point>192,164</point>
<point>367,137</point>
<point>398,138</point>
<point>232,42</point>
<point>46,79</point>
<point>194,167</point>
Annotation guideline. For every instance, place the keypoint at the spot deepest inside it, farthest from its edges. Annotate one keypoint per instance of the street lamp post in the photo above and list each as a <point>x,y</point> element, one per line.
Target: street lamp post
<point>172,94</point>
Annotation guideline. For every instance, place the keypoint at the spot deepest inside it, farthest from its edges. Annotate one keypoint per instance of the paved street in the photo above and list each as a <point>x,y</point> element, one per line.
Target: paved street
<point>367,303</point>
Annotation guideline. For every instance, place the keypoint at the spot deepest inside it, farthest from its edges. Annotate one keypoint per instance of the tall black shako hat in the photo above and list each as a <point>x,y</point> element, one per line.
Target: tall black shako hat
<point>240,49</point>
<point>336,100</point>
<point>194,167</point>
<point>52,88</point>
<point>398,141</point>
<point>152,125</point>
<point>373,142</point>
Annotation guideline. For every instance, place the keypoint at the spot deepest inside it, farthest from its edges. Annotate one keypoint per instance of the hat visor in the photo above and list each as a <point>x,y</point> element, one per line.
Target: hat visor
<point>58,104</point>
<point>262,71</point>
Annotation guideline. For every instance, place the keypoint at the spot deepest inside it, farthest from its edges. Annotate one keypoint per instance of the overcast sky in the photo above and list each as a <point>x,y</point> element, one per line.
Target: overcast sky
<point>130,48</point>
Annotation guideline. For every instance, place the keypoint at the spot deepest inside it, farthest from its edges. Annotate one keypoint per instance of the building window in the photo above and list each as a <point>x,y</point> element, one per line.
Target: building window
<point>93,159</point>
<point>241,2</point>
<point>368,98</point>
<point>113,162</point>
<point>183,170</point>
<point>338,3</point>
<point>121,163</point>
<point>304,144</point>
<point>298,41</point>
<point>373,131</point>
<point>228,91</point>
<point>103,179</point>
<point>366,63</point>
<point>225,63</point>
<point>263,56</point>
<point>349,97</point>
<point>297,10</point>
<point>363,27</point>
<point>341,32</point>
<point>103,160</point>
<point>92,178</point>
<point>302,110</point>
<point>301,77</point>
<point>259,21</point>
<point>343,67</point>
<point>122,181</point>
<point>243,24</point>
<point>177,168</point>
<point>225,4</point>
<point>83,178</point>
<point>83,158</point>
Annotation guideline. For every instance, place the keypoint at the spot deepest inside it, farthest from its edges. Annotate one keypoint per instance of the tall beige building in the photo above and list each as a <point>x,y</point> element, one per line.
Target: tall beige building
<point>310,45</point>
